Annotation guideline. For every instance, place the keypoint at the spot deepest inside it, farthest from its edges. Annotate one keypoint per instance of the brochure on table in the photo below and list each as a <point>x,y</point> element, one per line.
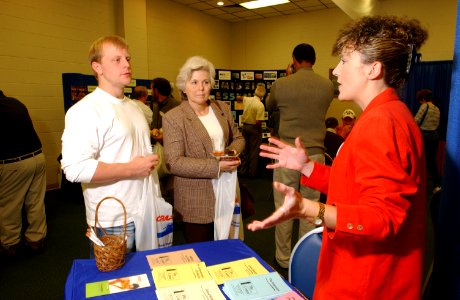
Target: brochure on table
<point>182,274</point>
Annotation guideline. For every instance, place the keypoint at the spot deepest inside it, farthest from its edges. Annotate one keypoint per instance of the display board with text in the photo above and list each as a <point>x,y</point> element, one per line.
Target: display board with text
<point>76,86</point>
<point>232,83</point>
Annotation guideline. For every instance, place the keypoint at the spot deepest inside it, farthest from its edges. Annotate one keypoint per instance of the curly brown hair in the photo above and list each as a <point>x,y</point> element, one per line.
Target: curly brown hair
<point>391,40</point>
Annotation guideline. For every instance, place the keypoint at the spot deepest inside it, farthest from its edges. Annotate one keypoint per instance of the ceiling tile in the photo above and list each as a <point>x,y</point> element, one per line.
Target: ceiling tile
<point>255,17</point>
<point>186,2</point>
<point>264,10</point>
<point>274,14</point>
<point>308,3</point>
<point>313,8</point>
<point>214,11</point>
<point>245,13</point>
<point>200,6</point>
<point>287,6</point>
<point>290,12</point>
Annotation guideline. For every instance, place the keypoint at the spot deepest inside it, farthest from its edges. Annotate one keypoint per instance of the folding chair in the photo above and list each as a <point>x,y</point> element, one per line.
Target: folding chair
<point>304,260</point>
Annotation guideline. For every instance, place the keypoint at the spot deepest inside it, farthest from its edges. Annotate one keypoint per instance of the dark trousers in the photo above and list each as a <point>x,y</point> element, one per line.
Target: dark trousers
<point>253,136</point>
<point>431,140</point>
<point>194,233</point>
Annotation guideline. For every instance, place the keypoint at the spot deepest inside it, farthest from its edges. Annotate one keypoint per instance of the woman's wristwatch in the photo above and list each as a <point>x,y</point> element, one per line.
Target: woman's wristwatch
<point>320,217</point>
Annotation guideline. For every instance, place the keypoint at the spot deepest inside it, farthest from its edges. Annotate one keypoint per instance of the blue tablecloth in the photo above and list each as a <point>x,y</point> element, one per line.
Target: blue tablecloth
<point>84,271</point>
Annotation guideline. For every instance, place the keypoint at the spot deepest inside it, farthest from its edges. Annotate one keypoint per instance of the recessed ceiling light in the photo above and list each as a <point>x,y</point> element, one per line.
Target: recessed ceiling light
<point>262,3</point>
<point>220,3</point>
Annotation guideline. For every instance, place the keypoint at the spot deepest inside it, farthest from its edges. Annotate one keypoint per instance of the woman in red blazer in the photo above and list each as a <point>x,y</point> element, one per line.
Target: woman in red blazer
<point>188,132</point>
<point>374,241</point>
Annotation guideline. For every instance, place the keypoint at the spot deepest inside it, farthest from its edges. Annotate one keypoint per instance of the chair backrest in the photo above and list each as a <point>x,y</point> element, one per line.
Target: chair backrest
<point>304,261</point>
<point>328,159</point>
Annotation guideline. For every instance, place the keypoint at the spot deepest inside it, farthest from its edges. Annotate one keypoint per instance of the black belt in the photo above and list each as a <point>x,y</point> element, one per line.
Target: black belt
<point>19,158</point>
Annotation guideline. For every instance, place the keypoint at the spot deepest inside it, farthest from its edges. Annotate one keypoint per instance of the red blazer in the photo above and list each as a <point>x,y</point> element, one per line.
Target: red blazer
<point>377,182</point>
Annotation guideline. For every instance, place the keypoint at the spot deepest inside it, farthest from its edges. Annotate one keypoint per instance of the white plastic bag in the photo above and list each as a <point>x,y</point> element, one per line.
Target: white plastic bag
<point>154,223</point>
<point>164,223</point>
<point>225,192</point>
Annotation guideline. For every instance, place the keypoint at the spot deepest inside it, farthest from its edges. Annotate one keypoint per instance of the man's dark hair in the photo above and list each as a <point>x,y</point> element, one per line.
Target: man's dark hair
<point>162,85</point>
<point>424,94</point>
<point>304,52</point>
<point>332,122</point>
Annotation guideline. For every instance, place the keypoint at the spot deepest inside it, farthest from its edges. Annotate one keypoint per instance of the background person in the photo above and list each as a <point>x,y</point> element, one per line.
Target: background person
<point>374,240</point>
<point>252,118</point>
<point>106,143</point>
<point>140,94</point>
<point>428,117</point>
<point>348,121</point>
<point>332,141</point>
<point>163,101</point>
<point>302,99</point>
<point>22,180</point>
<point>188,133</point>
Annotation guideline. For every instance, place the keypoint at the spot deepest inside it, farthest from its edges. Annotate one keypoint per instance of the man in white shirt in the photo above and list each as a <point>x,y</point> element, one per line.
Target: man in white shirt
<point>140,94</point>
<point>106,143</point>
<point>253,115</point>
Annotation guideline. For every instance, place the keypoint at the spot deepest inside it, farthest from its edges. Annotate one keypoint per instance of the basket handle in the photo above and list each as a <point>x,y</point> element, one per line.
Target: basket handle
<point>96,221</point>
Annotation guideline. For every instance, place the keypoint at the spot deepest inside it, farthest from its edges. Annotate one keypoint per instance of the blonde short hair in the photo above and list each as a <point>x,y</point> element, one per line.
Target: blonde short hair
<point>95,51</point>
<point>194,63</point>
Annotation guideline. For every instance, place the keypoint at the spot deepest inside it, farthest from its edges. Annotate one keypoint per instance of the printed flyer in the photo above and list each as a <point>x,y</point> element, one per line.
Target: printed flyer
<point>116,285</point>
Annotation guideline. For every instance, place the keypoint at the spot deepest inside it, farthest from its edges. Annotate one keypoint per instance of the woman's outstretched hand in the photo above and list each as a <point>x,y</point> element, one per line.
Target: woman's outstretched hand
<point>293,207</point>
<point>285,155</point>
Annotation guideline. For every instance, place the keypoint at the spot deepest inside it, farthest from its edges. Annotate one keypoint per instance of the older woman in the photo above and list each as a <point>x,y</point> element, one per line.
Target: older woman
<point>189,130</point>
<point>374,219</point>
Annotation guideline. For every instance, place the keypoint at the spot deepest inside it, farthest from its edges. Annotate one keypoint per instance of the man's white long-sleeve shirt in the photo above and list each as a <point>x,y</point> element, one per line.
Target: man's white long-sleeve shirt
<point>103,128</point>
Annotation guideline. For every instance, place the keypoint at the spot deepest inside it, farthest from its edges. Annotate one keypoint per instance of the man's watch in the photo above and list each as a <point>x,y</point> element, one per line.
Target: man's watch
<point>320,217</point>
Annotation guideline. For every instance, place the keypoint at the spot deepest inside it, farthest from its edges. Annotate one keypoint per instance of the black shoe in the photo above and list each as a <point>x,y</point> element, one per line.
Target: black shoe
<point>36,247</point>
<point>13,251</point>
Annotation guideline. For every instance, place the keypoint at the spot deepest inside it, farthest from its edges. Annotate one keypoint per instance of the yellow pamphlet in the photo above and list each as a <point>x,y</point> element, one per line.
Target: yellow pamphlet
<point>164,276</point>
<point>236,269</point>
<point>202,290</point>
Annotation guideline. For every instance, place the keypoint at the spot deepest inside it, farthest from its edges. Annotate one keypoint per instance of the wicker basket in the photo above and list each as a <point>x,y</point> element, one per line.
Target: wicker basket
<point>112,255</point>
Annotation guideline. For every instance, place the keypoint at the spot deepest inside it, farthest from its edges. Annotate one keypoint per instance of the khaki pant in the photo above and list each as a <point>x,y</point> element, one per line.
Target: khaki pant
<point>283,231</point>
<point>22,184</point>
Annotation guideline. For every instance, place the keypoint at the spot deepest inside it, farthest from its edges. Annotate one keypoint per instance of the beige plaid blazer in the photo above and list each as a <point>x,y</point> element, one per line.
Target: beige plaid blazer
<point>187,149</point>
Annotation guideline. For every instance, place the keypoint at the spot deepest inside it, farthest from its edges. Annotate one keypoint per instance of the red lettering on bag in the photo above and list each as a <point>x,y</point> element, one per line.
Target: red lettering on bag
<point>162,218</point>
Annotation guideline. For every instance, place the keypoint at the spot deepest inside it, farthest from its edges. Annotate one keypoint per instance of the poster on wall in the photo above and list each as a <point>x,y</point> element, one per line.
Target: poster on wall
<point>78,92</point>
<point>247,75</point>
<point>232,83</point>
<point>270,75</point>
<point>76,86</point>
<point>224,75</point>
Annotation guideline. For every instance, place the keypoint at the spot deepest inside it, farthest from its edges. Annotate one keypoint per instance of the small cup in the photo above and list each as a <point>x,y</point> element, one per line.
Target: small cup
<point>218,147</point>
